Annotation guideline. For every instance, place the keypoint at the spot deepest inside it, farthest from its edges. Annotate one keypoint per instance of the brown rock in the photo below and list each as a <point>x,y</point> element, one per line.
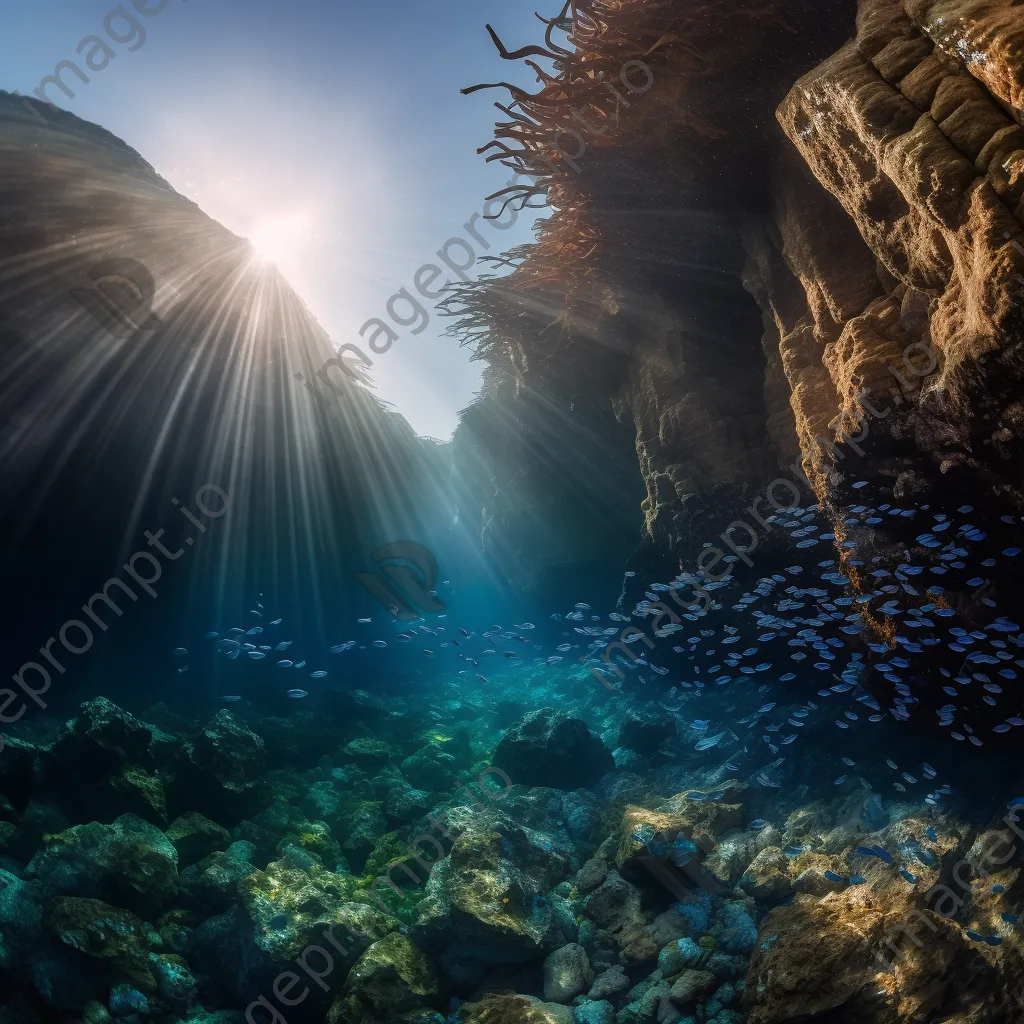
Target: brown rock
<point>689,985</point>
<point>874,960</point>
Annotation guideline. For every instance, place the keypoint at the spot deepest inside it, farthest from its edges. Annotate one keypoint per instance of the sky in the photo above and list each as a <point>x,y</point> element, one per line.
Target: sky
<point>331,134</point>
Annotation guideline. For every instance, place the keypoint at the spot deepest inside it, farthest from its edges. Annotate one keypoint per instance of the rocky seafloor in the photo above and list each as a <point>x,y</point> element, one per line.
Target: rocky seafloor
<point>478,857</point>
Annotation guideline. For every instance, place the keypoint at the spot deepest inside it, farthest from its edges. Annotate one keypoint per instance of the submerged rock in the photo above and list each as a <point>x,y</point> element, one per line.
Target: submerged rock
<point>645,733</point>
<point>486,902</point>
<point>129,863</point>
<point>390,979</point>
<point>279,913</point>
<point>105,933</point>
<point>221,773</point>
<point>21,920</point>
<point>875,960</point>
<point>105,727</point>
<point>550,749</point>
<point>211,886</point>
<point>615,906</point>
<point>567,974</point>
<point>610,983</point>
<point>689,985</point>
<point>195,837</point>
<point>510,1008</point>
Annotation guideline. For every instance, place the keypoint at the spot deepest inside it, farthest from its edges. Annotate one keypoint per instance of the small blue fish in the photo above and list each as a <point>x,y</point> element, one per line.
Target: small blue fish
<point>912,879</point>
<point>833,877</point>
<point>757,824</point>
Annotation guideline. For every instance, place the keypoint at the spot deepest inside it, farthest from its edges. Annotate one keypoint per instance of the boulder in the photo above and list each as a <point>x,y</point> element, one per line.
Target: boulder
<point>610,983</point>
<point>221,773</point>
<point>550,749</point>
<point>511,1008</point>
<point>103,727</point>
<point>767,878</point>
<point>128,863</point>
<point>486,901</point>
<point>645,733</point>
<point>567,974</point>
<point>594,1012</point>
<point>211,886</point>
<point>21,920</point>
<point>854,956</point>
<point>280,912</point>
<point>195,837</point>
<point>105,933</point>
<point>134,790</point>
<point>390,979</point>
<point>689,985</point>
<point>615,906</point>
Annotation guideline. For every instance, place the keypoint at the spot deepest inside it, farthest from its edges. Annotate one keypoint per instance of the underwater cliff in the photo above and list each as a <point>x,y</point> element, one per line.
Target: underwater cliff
<point>681,686</point>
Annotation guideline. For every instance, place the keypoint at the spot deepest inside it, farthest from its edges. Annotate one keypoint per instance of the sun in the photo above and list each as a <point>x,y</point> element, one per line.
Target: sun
<point>279,240</point>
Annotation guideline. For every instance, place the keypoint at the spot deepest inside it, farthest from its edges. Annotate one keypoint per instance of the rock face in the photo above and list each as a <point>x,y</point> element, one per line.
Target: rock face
<point>548,749</point>
<point>902,273</point>
<point>851,304</point>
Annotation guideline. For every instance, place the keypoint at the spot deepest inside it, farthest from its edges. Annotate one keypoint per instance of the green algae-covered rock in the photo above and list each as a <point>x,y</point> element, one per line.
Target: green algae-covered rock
<point>486,901</point>
<point>103,726</point>
<point>105,933</point>
<point>140,792</point>
<point>211,886</point>
<point>390,979</point>
<point>175,983</point>
<point>314,837</point>
<point>367,751</point>
<point>229,751</point>
<point>279,913</point>
<point>362,823</point>
<point>21,920</point>
<point>195,837</point>
<point>510,1008</point>
<point>405,804</point>
<point>128,863</point>
<point>430,768</point>
<point>222,773</point>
